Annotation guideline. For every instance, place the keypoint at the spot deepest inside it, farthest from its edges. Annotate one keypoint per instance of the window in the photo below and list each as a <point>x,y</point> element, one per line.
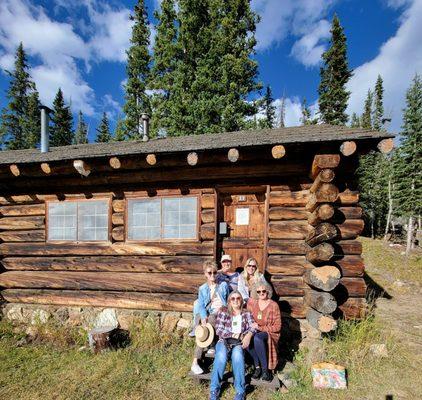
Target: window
<point>78,220</point>
<point>162,218</point>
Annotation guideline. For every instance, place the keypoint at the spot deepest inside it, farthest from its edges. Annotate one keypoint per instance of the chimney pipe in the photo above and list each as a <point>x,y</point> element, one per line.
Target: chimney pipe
<point>45,128</point>
<point>145,120</point>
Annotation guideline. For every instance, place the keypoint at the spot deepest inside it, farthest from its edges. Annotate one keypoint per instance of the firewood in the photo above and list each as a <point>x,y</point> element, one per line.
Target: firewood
<point>323,232</point>
<point>325,278</point>
<point>323,302</point>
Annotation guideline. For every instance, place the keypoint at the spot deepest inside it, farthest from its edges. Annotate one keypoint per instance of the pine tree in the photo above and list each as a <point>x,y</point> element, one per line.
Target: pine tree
<point>81,134</point>
<point>355,121</point>
<point>408,164</point>
<point>378,111</point>
<point>15,114</point>
<point>62,121</point>
<point>138,68</point>
<point>119,132</point>
<point>103,130</point>
<point>335,74</point>
<point>306,113</point>
<point>268,110</point>
<point>366,120</point>
<point>32,123</point>
<point>166,56</point>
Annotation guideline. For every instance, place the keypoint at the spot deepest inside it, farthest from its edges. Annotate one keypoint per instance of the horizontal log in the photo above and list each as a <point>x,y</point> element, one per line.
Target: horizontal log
<point>326,193</point>
<point>85,249</point>
<point>348,198</point>
<point>325,278</point>
<point>347,247</point>
<point>354,308</point>
<point>324,176</point>
<point>292,307</point>
<point>118,218</point>
<point>287,213</point>
<point>20,223</point>
<point>125,281</point>
<point>288,285</point>
<point>288,230</point>
<point>356,287</point>
<point>151,264</point>
<point>132,300</point>
<point>343,213</point>
<point>300,198</point>
<point>288,247</point>
<point>23,236</point>
<point>286,265</point>
<point>118,206</point>
<point>323,161</point>
<point>207,216</point>
<point>207,201</point>
<point>323,302</point>
<point>21,199</point>
<point>207,231</point>
<point>118,233</point>
<point>350,229</point>
<point>23,209</point>
<point>242,243</point>
<point>322,213</point>
<point>321,253</point>
<point>324,323</point>
<point>350,266</point>
<point>323,232</point>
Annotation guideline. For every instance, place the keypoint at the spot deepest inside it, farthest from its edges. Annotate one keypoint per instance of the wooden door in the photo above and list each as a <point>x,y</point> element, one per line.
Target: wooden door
<point>245,216</point>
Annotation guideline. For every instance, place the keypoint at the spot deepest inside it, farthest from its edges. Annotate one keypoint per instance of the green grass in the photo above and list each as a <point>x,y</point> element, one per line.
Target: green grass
<point>155,365</point>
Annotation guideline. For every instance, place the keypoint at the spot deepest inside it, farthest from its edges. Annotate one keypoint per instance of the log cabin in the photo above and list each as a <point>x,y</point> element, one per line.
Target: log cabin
<point>130,224</point>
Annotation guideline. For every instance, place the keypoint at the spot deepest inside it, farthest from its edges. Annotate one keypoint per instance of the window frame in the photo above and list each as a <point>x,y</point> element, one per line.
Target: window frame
<point>107,199</point>
<point>161,198</point>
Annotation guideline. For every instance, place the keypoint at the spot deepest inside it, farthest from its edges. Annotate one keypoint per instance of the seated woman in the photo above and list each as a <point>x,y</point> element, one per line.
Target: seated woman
<point>225,274</point>
<point>249,278</point>
<point>211,296</point>
<point>234,328</point>
<point>266,314</point>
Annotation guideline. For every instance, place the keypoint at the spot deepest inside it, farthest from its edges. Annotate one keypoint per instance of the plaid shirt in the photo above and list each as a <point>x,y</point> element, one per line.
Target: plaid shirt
<point>223,323</point>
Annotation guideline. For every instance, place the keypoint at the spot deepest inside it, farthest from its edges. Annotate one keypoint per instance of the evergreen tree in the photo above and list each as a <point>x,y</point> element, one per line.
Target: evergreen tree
<point>166,56</point>
<point>355,121</point>
<point>15,114</point>
<point>366,120</point>
<point>103,130</point>
<point>119,132</point>
<point>32,123</point>
<point>335,74</point>
<point>378,111</point>
<point>81,134</point>
<point>138,68</point>
<point>408,164</point>
<point>268,109</point>
<point>306,113</point>
<point>62,121</point>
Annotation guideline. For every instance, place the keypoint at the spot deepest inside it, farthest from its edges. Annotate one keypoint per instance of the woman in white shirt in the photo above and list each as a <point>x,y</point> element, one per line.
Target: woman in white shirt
<point>249,278</point>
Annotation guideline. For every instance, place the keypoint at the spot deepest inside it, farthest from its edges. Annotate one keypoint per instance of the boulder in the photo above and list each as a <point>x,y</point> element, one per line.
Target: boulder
<point>107,318</point>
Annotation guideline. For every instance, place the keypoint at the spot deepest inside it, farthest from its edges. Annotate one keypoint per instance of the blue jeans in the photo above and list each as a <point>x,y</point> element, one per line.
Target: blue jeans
<point>238,366</point>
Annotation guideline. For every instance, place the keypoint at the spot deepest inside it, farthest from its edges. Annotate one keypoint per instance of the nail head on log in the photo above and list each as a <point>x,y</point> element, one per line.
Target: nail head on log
<point>115,163</point>
<point>45,167</point>
<point>233,155</point>
<point>325,278</point>
<point>385,145</point>
<point>14,169</point>
<point>278,151</point>
<point>151,159</point>
<point>82,167</point>
<point>348,148</point>
<point>192,158</point>
<point>323,302</point>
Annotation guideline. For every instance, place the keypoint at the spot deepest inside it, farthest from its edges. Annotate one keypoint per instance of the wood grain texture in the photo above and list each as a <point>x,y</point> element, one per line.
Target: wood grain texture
<point>207,231</point>
<point>287,213</point>
<point>117,218</point>
<point>207,216</point>
<point>323,302</point>
<point>207,201</point>
<point>300,198</point>
<point>288,285</point>
<point>118,206</point>
<point>22,223</point>
<point>23,209</point>
<point>286,265</point>
<point>23,236</point>
<point>354,308</point>
<point>288,230</point>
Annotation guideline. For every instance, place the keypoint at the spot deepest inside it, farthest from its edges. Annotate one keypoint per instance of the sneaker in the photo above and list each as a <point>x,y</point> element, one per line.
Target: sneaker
<point>213,396</point>
<point>257,373</point>
<point>239,396</point>
<point>267,376</point>
<point>196,369</point>
<point>210,352</point>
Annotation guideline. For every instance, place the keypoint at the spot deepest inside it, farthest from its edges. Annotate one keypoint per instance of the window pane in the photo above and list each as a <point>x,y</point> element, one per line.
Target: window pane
<point>187,231</point>
<point>144,219</point>
<point>92,220</point>
<point>62,221</point>
<point>180,218</point>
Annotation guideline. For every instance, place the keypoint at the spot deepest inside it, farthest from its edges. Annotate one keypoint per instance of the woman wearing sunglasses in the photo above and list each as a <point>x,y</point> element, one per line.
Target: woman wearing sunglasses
<point>263,349</point>
<point>211,296</point>
<point>234,327</point>
<point>249,278</point>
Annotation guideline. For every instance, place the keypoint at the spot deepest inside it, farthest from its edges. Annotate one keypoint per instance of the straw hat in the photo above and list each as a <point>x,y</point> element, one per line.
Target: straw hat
<point>204,335</point>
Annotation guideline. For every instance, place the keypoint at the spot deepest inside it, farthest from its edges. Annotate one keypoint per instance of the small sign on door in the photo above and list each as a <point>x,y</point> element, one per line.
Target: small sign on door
<point>242,216</point>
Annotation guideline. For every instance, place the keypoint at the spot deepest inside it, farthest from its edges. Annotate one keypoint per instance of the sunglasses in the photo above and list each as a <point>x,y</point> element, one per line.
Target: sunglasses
<point>261,291</point>
<point>235,299</point>
<point>252,265</point>
<point>212,273</point>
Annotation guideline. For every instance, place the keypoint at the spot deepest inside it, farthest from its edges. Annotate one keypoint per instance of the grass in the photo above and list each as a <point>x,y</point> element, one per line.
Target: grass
<point>155,365</point>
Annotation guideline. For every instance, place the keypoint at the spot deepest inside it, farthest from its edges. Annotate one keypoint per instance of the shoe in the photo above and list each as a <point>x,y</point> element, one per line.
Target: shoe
<point>210,352</point>
<point>196,369</point>
<point>267,376</point>
<point>213,396</point>
<point>257,373</point>
<point>239,396</point>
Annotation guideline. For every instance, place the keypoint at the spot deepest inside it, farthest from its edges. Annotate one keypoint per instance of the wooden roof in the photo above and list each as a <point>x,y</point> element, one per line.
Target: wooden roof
<point>250,138</point>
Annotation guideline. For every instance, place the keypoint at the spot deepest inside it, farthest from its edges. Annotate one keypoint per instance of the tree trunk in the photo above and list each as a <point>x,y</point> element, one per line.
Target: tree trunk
<point>372,225</point>
<point>409,235</point>
<point>390,209</point>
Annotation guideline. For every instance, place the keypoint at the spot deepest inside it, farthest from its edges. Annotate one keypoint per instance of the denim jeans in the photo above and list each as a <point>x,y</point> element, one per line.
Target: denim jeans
<point>238,366</point>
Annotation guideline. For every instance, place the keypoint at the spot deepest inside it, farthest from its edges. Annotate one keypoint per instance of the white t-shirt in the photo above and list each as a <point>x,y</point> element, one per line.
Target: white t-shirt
<point>237,324</point>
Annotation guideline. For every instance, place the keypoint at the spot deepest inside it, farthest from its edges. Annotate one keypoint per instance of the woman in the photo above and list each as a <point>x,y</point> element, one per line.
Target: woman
<point>225,274</point>
<point>248,279</point>
<point>234,328</point>
<point>211,296</point>
<point>266,314</point>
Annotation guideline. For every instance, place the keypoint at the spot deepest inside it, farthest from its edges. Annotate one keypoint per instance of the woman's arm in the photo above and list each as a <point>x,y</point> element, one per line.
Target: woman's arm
<point>243,289</point>
<point>273,324</point>
<point>202,306</point>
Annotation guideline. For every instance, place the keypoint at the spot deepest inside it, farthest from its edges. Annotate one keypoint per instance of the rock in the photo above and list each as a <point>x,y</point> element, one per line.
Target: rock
<point>379,350</point>
<point>75,316</point>
<point>40,317</point>
<point>399,283</point>
<point>169,322</point>
<point>183,323</point>
<point>62,314</point>
<point>126,322</point>
<point>289,383</point>
<point>31,332</point>
<point>21,342</point>
<point>107,318</point>
<point>15,313</point>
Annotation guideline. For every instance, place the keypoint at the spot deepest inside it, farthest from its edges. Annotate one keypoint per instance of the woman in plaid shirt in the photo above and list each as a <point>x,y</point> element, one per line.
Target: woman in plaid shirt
<point>234,328</point>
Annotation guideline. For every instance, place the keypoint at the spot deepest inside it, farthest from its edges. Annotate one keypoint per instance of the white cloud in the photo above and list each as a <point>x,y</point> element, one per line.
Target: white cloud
<point>114,108</point>
<point>303,19</point>
<point>397,62</point>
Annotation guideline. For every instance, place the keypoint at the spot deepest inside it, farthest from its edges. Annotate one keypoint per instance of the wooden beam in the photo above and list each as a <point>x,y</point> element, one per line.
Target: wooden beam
<point>278,151</point>
<point>385,145</point>
<point>82,167</point>
<point>45,167</point>
<point>323,232</point>
<point>326,193</point>
<point>233,155</point>
<point>325,176</point>
<point>325,278</point>
<point>14,169</point>
<point>115,163</point>
<point>151,159</point>
<point>322,213</point>
<point>322,161</point>
<point>192,158</point>
<point>348,148</point>
<point>323,323</point>
<point>323,302</point>
<point>322,253</point>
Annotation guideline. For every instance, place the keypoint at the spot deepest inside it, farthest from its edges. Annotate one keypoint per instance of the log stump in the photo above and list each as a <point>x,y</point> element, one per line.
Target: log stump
<point>100,339</point>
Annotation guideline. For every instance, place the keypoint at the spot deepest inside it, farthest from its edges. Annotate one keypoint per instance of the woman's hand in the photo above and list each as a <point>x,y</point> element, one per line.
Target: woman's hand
<point>204,321</point>
<point>246,340</point>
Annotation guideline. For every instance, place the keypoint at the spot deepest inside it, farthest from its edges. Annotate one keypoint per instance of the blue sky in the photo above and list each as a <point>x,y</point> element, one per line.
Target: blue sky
<point>80,46</point>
